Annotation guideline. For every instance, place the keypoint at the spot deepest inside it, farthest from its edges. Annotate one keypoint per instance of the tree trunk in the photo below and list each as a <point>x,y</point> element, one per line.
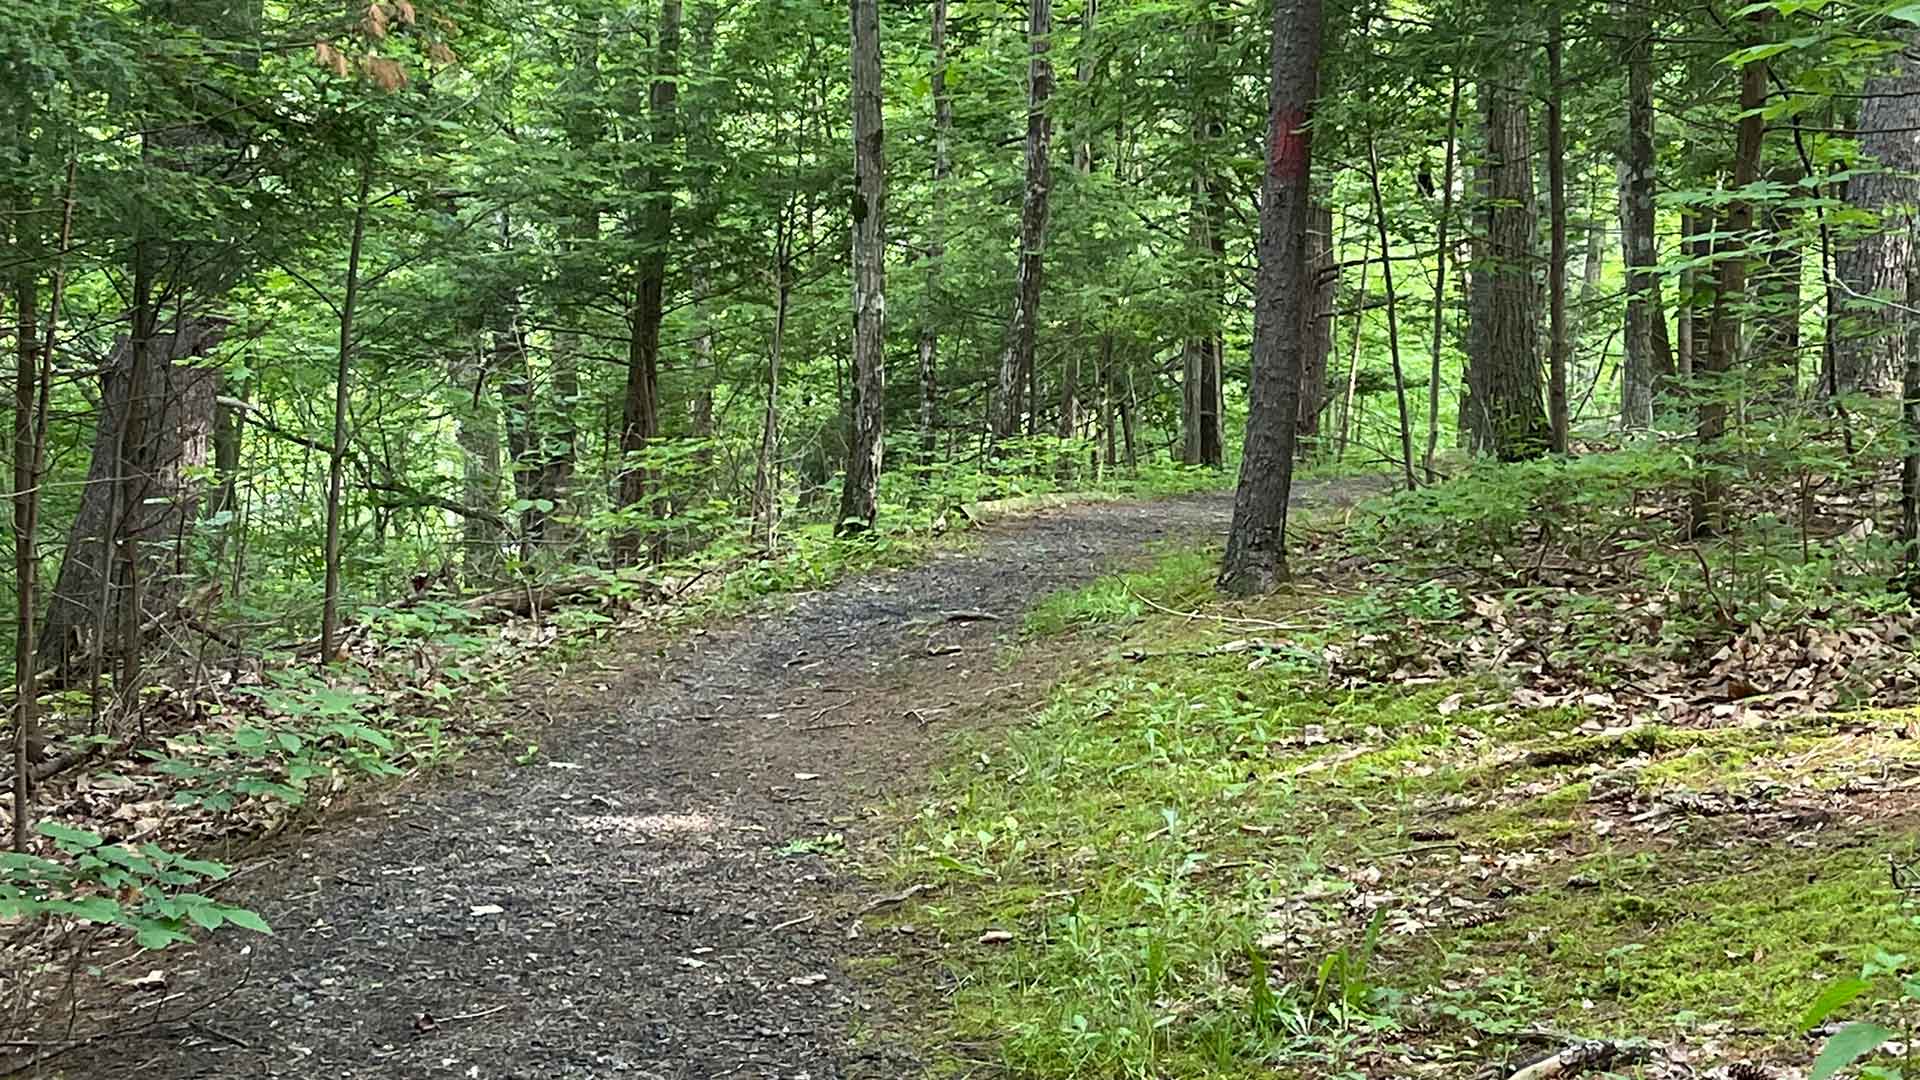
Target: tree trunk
<point>27,380</point>
<point>1347,428</point>
<point>765,508</point>
<point>1322,266</point>
<point>1910,424</point>
<point>477,434</point>
<point>1440,277</point>
<point>1069,419</point>
<point>936,235</point>
<point>1557,340</point>
<point>1256,558</point>
<point>1869,353</point>
<point>1506,298</point>
<point>1775,321</point>
<point>640,415</point>
<point>1016,362</point>
<point>1201,440</point>
<point>1723,342</point>
<point>178,438</point>
<point>1637,372</point>
<point>579,276</point>
<point>1393,314</point>
<point>342,390</point>
<point>858,498</point>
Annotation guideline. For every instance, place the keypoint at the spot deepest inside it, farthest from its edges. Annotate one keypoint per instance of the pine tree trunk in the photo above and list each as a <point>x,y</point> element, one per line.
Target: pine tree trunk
<point>858,498</point>
<point>640,414</point>
<point>1869,350</point>
<point>1016,362</point>
<point>1507,298</point>
<point>1256,558</point>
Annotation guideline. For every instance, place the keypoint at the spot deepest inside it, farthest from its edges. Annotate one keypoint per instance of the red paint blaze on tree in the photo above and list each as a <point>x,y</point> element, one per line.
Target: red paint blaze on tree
<point>1287,153</point>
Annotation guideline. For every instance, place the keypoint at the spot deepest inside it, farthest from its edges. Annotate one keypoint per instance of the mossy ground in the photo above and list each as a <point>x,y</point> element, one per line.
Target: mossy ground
<point>1215,859</point>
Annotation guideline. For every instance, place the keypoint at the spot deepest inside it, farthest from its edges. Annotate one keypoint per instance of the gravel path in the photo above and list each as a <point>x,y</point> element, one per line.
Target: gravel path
<point>624,907</point>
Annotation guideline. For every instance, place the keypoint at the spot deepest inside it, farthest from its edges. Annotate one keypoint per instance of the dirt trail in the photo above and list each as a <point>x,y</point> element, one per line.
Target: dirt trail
<point>623,907</point>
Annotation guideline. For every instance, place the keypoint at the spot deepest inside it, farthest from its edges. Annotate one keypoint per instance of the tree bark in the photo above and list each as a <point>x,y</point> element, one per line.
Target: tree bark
<point>1324,274</point>
<point>1068,425</point>
<point>1557,340</point>
<point>858,497</point>
<point>1016,361</point>
<point>1910,424</point>
<point>1256,559</point>
<point>1393,314</point>
<point>1729,300</point>
<point>1347,427</point>
<point>1869,350</point>
<point>178,437</point>
<point>1443,242</point>
<point>1638,372</point>
<point>342,391</point>
<point>640,414</point>
<point>1506,297</point>
<point>936,236</point>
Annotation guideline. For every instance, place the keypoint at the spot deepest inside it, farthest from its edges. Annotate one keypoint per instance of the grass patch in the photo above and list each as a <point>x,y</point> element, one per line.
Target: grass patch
<point>1226,863</point>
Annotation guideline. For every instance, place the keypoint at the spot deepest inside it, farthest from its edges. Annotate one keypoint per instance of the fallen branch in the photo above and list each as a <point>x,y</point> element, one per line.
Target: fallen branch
<point>525,599</point>
<point>1578,1058</point>
<point>895,899</point>
<point>1231,620</point>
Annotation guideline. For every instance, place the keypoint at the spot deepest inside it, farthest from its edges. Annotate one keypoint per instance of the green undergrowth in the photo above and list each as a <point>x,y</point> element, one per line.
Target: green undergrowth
<point>1216,853</point>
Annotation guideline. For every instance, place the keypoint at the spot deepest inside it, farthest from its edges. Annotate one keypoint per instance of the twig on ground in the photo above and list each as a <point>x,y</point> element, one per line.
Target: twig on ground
<point>473,1015</point>
<point>894,899</point>
<point>791,923</point>
<point>1232,620</point>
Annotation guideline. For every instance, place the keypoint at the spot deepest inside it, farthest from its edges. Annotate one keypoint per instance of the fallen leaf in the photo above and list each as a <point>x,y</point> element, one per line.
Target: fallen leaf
<point>996,937</point>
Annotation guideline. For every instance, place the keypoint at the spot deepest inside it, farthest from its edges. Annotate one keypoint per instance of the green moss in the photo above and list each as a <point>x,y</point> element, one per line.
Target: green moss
<point>1751,934</point>
<point>1164,828</point>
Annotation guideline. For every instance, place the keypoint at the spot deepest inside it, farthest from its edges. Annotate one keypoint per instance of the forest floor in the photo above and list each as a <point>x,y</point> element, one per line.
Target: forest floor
<point>659,892</point>
<point>1046,805</point>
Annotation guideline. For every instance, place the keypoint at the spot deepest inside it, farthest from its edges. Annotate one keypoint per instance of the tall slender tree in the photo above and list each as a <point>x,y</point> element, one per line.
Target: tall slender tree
<point>936,233</point>
<point>858,498</point>
<point>1505,360</point>
<point>1256,554</point>
<point>1016,360</point>
<point>1645,360</point>
<point>653,225</point>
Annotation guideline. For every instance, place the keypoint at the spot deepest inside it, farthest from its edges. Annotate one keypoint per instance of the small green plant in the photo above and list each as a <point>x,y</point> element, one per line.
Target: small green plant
<point>825,844</point>
<point>141,889</point>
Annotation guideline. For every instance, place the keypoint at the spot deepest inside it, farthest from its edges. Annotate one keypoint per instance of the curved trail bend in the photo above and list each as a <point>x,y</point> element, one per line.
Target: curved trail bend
<point>623,907</point>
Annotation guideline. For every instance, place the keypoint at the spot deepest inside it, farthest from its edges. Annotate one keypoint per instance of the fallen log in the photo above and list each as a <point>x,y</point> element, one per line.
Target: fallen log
<point>524,599</point>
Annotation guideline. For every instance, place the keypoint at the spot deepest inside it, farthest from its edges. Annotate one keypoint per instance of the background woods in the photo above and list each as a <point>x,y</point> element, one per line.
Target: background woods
<point>346,324</point>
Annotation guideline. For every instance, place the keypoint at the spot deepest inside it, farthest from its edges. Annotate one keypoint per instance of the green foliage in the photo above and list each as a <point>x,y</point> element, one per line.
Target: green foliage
<point>141,889</point>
